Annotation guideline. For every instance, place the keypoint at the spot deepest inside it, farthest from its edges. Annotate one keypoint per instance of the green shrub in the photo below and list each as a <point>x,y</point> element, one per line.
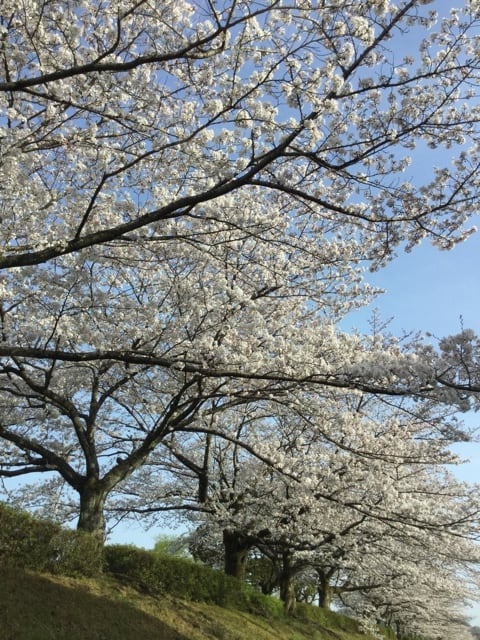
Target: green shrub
<point>75,553</point>
<point>186,579</point>
<point>24,541</point>
<point>42,545</point>
<point>326,617</point>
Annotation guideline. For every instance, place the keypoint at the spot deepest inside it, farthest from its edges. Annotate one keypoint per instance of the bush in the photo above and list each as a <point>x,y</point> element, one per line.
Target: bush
<point>75,553</point>
<point>183,578</point>
<point>327,618</point>
<point>42,545</point>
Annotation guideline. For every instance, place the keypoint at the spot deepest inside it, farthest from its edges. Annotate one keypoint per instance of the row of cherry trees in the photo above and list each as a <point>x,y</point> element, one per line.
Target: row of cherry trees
<point>349,495</point>
<point>190,193</point>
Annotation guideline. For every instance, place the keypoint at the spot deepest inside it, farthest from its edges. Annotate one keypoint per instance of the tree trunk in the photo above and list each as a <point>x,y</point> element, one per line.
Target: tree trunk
<point>287,586</point>
<point>236,548</point>
<point>399,631</point>
<point>91,518</point>
<point>324,591</point>
<point>269,583</point>
<point>287,593</point>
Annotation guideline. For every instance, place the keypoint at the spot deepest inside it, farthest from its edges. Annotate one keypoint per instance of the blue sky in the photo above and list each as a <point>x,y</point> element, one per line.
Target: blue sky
<point>430,289</point>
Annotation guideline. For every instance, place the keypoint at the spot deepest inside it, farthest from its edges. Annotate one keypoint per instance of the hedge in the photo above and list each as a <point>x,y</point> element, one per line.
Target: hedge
<point>43,545</point>
<point>184,578</point>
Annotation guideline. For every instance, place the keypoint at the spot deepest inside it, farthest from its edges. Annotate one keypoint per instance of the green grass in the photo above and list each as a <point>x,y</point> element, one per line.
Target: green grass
<point>40,606</point>
<point>52,589</point>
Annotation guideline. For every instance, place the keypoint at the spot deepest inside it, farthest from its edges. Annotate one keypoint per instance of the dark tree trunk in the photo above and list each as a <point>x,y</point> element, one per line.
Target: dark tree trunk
<point>287,586</point>
<point>399,634</point>
<point>236,548</point>
<point>268,585</point>
<point>287,593</point>
<point>92,518</point>
<point>324,591</point>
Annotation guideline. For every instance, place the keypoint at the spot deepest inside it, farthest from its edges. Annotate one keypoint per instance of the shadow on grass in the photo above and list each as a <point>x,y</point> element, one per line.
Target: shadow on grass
<point>36,608</point>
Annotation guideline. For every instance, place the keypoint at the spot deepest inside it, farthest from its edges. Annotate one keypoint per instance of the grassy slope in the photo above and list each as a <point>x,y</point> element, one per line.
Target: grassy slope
<point>45,607</point>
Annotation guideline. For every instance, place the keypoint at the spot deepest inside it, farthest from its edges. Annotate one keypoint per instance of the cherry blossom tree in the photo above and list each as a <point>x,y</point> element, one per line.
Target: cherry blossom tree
<point>189,195</point>
<point>430,592</point>
<point>132,126</point>
<point>96,422</point>
<point>359,497</point>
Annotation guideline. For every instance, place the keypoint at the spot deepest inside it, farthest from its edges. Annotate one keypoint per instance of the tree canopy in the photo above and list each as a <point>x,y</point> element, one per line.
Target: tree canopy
<point>191,194</point>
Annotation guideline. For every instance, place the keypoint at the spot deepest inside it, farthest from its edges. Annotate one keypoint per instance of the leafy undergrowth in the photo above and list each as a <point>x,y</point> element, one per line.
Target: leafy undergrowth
<point>38,606</point>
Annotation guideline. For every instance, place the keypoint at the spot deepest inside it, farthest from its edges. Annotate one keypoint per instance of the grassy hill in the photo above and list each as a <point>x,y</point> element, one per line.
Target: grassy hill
<point>41,606</point>
<point>52,588</point>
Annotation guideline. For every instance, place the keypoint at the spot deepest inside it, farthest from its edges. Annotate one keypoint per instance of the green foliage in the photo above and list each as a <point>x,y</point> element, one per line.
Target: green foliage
<point>42,545</point>
<point>77,553</point>
<point>388,633</point>
<point>172,546</point>
<point>326,618</point>
<point>186,579</point>
<point>262,573</point>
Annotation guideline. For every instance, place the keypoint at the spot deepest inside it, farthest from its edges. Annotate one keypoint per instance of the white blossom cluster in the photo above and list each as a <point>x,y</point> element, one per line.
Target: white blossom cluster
<point>191,196</point>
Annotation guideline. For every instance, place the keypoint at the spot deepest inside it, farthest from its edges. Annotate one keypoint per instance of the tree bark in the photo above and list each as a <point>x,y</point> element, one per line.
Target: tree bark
<point>270,582</point>
<point>236,548</point>
<point>324,591</point>
<point>287,586</point>
<point>92,503</point>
